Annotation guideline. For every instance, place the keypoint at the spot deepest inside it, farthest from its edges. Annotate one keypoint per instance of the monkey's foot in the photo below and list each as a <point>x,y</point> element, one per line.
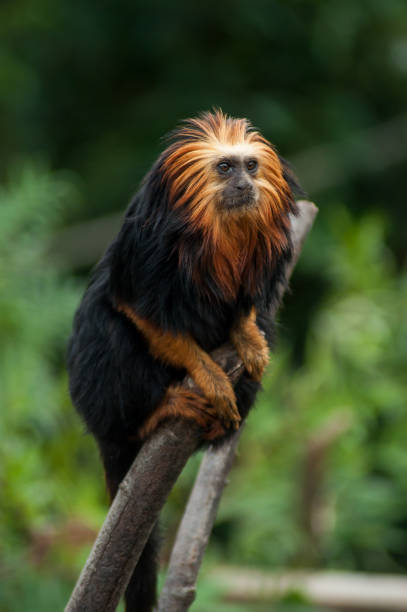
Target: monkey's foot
<point>182,403</point>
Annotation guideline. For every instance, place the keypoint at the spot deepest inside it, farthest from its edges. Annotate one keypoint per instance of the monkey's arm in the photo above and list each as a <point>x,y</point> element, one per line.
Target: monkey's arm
<point>250,345</point>
<point>182,351</point>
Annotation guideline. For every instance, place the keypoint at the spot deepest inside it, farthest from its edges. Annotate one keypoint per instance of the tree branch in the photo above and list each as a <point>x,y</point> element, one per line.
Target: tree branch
<point>193,534</point>
<point>146,486</point>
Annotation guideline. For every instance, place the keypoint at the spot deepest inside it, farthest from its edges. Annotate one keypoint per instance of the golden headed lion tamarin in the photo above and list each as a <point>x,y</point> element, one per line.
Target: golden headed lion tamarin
<point>198,261</point>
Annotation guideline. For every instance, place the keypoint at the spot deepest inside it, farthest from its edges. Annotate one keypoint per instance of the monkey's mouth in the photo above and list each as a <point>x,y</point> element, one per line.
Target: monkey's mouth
<point>243,202</point>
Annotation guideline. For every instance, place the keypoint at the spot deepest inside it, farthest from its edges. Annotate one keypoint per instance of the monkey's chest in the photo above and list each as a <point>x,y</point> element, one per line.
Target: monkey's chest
<point>211,326</point>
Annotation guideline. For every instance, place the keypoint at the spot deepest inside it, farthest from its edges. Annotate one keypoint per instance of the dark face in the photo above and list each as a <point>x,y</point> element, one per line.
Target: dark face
<point>237,175</point>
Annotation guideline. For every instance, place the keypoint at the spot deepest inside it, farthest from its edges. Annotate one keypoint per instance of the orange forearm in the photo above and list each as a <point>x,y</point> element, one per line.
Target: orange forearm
<point>175,349</point>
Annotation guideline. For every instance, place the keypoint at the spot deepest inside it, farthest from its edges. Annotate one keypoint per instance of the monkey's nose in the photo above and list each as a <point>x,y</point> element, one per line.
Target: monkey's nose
<point>243,186</point>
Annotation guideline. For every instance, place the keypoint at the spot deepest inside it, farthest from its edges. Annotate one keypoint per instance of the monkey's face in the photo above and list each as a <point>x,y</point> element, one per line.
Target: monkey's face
<point>227,184</point>
<point>220,169</point>
<point>236,173</point>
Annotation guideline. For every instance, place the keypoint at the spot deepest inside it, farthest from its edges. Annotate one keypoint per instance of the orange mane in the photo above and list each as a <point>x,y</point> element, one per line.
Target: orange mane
<point>235,247</point>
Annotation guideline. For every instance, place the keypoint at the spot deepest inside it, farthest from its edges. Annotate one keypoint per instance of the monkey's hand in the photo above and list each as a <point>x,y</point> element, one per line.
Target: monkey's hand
<point>217,388</point>
<point>182,351</point>
<point>251,345</point>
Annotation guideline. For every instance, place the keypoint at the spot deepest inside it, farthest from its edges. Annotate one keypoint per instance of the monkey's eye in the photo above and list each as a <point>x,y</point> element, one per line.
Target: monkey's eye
<point>251,165</point>
<point>224,167</point>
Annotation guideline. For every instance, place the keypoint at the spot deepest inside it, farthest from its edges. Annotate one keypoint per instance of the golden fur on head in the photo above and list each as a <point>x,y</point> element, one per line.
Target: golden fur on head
<point>236,244</point>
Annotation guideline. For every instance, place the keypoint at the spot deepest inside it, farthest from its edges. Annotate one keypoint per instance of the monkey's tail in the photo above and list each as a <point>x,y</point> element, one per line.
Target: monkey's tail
<point>140,595</point>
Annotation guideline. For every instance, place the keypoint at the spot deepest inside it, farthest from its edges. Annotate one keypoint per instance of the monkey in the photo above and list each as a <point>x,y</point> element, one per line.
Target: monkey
<point>198,261</point>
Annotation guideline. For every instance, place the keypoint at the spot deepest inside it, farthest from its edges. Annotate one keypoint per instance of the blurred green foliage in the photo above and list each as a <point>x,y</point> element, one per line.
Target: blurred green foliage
<point>43,456</point>
<point>321,475</point>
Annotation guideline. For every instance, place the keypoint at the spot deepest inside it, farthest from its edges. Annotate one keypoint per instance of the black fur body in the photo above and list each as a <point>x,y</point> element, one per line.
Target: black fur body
<point>115,382</point>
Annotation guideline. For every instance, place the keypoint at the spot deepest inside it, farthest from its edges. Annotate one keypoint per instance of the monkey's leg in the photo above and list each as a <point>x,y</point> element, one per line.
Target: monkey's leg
<point>251,345</point>
<point>180,402</point>
<point>183,352</point>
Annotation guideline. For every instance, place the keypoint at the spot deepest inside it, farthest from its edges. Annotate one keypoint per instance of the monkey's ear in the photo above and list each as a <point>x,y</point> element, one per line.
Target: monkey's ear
<point>292,180</point>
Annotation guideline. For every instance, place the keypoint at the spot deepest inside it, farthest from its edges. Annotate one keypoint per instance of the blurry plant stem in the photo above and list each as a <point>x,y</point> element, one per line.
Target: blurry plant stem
<point>332,590</point>
<point>145,488</point>
<point>314,506</point>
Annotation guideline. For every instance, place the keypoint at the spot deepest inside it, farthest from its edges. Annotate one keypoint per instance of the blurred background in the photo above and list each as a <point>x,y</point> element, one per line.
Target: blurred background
<point>87,90</point>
